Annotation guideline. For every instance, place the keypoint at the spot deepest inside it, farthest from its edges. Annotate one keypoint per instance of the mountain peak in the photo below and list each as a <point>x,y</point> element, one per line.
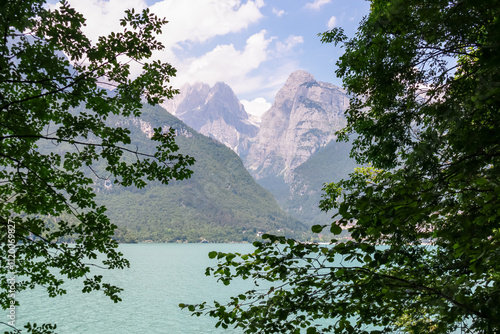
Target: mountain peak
<point>299,77</point>
<point>303,119</point>
<point>220,85</point>
<point>215,112</point>
<point>284,97</point>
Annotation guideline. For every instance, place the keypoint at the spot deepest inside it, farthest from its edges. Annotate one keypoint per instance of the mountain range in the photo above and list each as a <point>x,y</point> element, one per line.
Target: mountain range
<point>248,179</point>
<point>293,152</point>
<point>221,202</point>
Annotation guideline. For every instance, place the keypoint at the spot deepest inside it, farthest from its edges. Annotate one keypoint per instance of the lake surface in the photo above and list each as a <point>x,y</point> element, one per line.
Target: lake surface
<point>160,277</point>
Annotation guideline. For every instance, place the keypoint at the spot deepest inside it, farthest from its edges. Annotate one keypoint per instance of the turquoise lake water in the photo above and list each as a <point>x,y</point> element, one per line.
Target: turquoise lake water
<point>160,277</point>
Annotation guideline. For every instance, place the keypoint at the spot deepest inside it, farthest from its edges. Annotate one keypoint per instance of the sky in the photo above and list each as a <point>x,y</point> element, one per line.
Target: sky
<point>251,45</point>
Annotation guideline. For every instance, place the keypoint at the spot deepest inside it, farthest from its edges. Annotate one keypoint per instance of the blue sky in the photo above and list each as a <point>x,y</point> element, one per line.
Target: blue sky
<point>252,45</point>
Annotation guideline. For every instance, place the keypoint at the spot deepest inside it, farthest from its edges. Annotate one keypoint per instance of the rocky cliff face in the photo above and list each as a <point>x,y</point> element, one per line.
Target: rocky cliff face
<point>215,112</point>
<point>293,153</point>
<point>303,119</point>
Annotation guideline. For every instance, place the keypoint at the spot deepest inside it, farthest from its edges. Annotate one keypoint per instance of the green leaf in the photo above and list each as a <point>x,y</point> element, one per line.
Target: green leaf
<point>423,120</point>
<point>62,137</point>
<point>317,228</point>
<point>312,330</point>
<point>335,229</point>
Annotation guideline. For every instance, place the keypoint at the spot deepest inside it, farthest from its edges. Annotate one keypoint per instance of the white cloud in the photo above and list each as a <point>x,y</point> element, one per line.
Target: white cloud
<point>257,106</point>
<point>332,22</point>
<point>284,48</point>
<point>225,62</point>
<point>278,12</point>
<point>317,4</point>
<point>103,17</point>
<point>189,21</point>
<point>200,20</point>
<point>257,69</point>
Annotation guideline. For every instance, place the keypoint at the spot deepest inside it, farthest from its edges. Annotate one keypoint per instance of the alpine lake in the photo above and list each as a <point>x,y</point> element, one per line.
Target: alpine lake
<point>159,278</point>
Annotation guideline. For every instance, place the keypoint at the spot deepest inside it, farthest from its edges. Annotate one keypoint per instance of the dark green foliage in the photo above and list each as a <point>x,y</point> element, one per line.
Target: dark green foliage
<point>46,198</point>
<point>424,217</point>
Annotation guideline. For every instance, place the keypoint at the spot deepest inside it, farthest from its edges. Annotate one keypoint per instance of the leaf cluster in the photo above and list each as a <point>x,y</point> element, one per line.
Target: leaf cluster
<point>48,70</point>
<point>424,216</point>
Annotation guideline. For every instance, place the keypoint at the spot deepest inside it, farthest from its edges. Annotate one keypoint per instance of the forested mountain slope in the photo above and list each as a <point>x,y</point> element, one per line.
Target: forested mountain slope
<point>220,202</point>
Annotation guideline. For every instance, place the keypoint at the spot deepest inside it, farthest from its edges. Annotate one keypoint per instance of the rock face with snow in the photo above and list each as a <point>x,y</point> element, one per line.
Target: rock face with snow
<point>303,118</point>
<point>215,112</point>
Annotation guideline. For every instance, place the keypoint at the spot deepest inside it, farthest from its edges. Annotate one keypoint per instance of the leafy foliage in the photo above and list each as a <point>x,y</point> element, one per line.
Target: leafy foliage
<point>49,67</point>
<point>424,217</point>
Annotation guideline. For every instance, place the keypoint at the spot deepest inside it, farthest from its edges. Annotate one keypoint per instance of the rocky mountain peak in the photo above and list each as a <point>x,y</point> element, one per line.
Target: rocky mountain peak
<point>284,98</point>
<point>299,77</point>
<point>215,112</point>
<point>303,118</point>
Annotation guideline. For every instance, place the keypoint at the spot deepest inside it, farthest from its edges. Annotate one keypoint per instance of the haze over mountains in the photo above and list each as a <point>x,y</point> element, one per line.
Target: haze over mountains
<point>293,152</point>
